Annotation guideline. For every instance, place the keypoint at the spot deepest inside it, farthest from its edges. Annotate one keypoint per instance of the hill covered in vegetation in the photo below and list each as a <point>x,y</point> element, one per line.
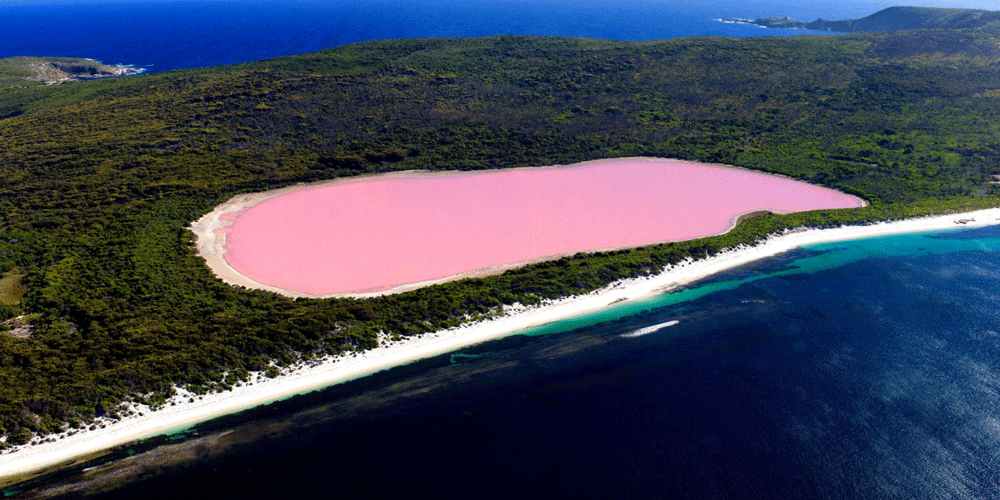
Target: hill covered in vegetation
<point>99,179</point>
<point>891,19</point>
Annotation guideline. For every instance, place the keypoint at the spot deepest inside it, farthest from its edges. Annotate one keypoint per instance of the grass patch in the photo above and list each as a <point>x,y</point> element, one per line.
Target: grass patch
<point>11,288</point>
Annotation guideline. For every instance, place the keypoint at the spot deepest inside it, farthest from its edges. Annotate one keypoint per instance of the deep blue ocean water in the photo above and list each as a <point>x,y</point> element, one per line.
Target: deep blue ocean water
<point>866,369</point>
<point>170,34</point>
<point>860,369</point>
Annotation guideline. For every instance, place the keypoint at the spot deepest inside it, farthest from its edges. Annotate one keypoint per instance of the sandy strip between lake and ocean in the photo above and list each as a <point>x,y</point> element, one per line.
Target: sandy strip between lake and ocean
<point>304,379</point>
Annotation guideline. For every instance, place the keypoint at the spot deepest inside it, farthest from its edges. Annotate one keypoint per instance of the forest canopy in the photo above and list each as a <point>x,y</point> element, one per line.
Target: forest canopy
<point>101,178</point>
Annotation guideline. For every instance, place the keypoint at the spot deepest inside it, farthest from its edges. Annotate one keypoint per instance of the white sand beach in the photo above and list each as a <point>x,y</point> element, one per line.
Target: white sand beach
<point>304,379</point>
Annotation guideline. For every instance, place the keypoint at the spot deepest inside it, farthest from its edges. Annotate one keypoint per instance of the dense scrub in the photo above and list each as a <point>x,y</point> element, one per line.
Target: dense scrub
<point>99,179</point>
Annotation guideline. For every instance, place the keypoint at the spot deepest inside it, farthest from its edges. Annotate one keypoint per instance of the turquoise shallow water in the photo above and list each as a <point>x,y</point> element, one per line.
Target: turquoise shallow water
<point>851,370</point>
<point>861,369</point>
<point>809,259</point>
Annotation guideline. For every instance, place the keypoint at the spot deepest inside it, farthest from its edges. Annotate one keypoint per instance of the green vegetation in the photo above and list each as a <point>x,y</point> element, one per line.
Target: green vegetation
<point>11,289</point>
<point>100,178</point>
<point>11,293</point>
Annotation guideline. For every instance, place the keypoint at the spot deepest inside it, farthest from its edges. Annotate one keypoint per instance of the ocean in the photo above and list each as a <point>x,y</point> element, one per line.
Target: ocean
<point>858,369</point>
<point>161,35</point>
<point>862,369</point>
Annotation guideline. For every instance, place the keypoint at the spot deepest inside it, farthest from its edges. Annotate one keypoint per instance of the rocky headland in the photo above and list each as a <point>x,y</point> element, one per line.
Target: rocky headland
<point>890,19</point>
<point>20,71</point>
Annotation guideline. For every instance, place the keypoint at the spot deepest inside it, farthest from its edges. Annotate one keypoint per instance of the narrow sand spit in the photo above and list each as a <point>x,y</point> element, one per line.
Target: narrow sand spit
<point>388,234</point>
<point>305,379</point>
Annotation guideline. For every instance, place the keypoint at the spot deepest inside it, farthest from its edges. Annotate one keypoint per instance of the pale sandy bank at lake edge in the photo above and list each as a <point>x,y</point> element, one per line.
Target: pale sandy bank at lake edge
<point>287,250</point>
<point>305,379</point>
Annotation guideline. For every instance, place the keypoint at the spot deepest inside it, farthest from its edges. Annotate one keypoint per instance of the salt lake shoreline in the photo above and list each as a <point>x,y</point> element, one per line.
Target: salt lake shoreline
<point>185,409</point>
<point>210,229</point>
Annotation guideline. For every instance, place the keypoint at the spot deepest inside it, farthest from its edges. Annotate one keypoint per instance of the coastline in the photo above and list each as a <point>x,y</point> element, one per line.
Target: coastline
<point>190,409</point>
<point>212,228</point>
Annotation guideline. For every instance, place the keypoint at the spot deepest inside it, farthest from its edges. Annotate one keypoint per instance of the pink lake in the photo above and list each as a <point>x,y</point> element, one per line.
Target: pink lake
<point>376,234</point>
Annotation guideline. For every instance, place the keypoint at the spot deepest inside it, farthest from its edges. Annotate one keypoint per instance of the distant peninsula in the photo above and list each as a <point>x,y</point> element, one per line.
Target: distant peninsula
<point>21,71</point>
<point>890,19</point>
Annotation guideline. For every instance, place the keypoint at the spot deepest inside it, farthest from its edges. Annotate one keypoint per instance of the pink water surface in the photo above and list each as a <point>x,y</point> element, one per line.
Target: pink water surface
<point>377,234</point>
